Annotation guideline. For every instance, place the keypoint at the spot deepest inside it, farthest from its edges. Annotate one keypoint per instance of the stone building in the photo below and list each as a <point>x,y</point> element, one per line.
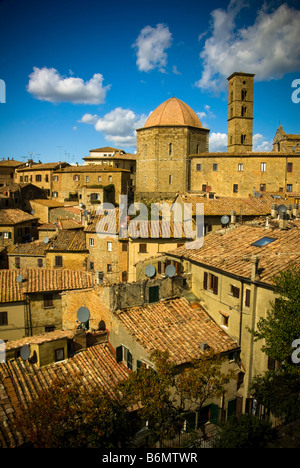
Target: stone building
<point>40,174</point>
<point>173,154</point>
<point>171,133</point>
<point>17,226</point>
<point>8,168</point>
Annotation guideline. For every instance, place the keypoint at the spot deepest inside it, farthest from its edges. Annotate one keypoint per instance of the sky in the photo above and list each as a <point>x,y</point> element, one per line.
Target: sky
<point>80,75</point>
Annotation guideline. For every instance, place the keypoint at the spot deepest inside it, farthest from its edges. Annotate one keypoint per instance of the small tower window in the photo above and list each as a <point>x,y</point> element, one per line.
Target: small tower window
<point>170,179</point>
<point>244,111</point>
<point>170,148</point>
<point>243,139</point>
<point>244,94</point>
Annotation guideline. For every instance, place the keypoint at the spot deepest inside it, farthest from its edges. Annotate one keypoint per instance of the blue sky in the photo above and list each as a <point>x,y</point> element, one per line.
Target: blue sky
<point>82,75</point>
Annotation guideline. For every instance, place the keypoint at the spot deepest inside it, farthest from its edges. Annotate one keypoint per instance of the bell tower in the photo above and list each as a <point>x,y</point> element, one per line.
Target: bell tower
<point>240,112</point>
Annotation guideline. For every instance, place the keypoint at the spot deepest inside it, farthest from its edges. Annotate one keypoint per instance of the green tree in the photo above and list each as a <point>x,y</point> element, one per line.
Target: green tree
<point>279,390</point>
<point>167,394</point>
<point>244,432</point>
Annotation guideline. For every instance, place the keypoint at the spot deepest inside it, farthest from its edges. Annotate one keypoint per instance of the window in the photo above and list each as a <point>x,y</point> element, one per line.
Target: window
<point>91,266</point>
<point>59,354</point>
<point>235,188</point>
<point>170,179</point>
<point>203,188</point>
<point>48,300</point>
<point>55,178</point>
<point>46,178</point>
<point>210,282</point>
<point>243,138</point>
<point>58,261</point>
<point>247,298</point>
<point>215,167</point>
<point>198,167</point>
<point>289,187</point>
<point>7,235</point>
<point>26,178</point>
<point>109,246</point>
<point>87,179</point>
<point>289,167</point>
<point>99,178</point>
<point>263,167</point>
<point>243,111</point>
<point>17,262</point>
<point>244,94</point>
<point>263,241</point>
<point>110,178</point>
<point>38,178</point>
<point>55,194</point>
<point>234,291</point>
<point>142,248</point>
<point>262,187</point>
<point>124,247</point>
<point>109,268</point>
<point>124,276</point>
<point>170,149</point>
<point>153,294</point>
<point>76,177</point>
<point>123,355</point>
<point>21,178</point>
<point>240,167</point>
<point>224,319</point>
<point>3,318</point>
<point>92,242</point>
<point>40,262</point>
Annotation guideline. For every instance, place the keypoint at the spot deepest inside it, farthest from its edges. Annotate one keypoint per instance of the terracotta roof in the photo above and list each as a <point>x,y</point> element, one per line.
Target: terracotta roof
<point>91,168</point>
<point>61,223</point>
<point>177,326</point>
<point>43,166</point>
<point>36,248</point>
<point>96,367</point>
<point>39,339</point>
<point>14,216</point>
<point>232,251</point>
<point>250,206</point>
<point>173,112</point>
<point>10,163</point>
<point>48,202</point>
<point>15,187</point>
<point>41,280</point>
<point>222,154</point>
<point>106,149</point>
<point>146,229</point>
<point>69,239</point>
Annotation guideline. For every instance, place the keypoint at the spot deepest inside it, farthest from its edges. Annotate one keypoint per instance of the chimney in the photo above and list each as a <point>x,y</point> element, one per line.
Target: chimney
<point>274,211</point>
<point>254,272</point>
<point>289,210</point>
<point>233,217</point>
<point>282,220</point>
<point>295,210</point>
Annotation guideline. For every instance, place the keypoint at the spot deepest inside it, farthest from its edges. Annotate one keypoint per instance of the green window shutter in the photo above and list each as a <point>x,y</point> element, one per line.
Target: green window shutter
<point>214,414</point>
<point>153,294</point>
<point>138,365</point>
<point>231,408</point>
<point>129,360</point>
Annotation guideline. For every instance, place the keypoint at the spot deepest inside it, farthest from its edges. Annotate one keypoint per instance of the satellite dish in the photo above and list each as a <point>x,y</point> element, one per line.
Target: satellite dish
<point>32,212</point>
<point>25,352</point>
<point>225,220</point>
<point>19,278</point>
<point>150,271</point>
<point>83,314</point>
<point>282,209</point>
<point>170,271</point>
<point>46,240</point>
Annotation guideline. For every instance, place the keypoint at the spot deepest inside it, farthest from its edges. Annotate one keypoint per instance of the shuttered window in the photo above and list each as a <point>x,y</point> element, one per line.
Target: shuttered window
<point>210,282</point>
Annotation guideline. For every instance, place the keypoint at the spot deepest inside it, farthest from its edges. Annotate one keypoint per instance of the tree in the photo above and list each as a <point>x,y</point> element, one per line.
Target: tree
<point>247,431</point>
<point>166,394</point>
<point>66,416</point>
<point>279,390</point>
<point>282,324</point>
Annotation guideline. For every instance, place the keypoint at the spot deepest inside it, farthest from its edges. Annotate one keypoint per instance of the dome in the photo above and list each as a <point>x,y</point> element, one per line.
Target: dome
<point>173,112</point>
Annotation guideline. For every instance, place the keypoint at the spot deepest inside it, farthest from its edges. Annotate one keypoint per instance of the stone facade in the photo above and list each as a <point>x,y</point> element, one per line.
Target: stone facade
<point>240,112</point>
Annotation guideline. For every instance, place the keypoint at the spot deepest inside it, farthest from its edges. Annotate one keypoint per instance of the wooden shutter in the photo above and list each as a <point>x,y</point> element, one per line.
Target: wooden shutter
<point>129,360</point>
<point>214,414</point>
<point>153,294</point>
<point>205,278</point>
<point>247,298</point>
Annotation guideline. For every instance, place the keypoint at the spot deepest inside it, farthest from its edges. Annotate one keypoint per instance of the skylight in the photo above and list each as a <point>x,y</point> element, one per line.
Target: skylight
<point>263,241</point>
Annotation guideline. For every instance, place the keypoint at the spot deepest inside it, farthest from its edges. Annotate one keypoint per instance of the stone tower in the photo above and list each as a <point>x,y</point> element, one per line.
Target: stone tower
<point>172,132</point>
<point>240,112</point>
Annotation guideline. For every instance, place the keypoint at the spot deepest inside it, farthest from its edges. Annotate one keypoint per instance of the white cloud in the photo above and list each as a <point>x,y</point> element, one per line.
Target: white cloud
<point>269,48</point>
<point>218,142</point>
<point>261,144</point>
<point>46,84</point>
<point>206,114</point>
<point>118,126</point>
<point>151,45</point>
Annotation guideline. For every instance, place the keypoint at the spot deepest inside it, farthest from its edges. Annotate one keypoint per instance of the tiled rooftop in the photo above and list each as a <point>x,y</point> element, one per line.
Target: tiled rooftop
<point>96,367</point>
<point>69,240</point>
<point>14,216</point>
<point>251,206</point>
<point>177,326</point>
<point>231,251</point>
<point>41,280</point>
<point>90,168</point>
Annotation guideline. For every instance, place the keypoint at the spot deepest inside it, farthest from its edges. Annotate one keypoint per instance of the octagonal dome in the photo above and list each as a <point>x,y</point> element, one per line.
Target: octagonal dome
<point>173,112</point>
